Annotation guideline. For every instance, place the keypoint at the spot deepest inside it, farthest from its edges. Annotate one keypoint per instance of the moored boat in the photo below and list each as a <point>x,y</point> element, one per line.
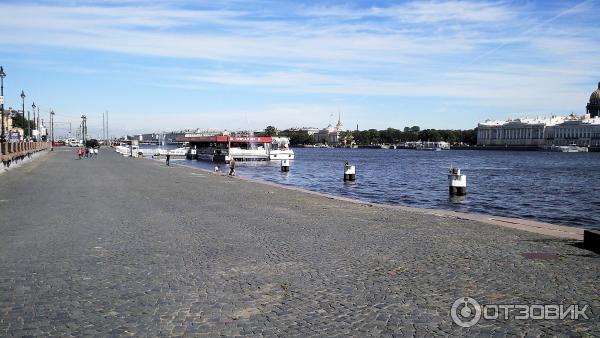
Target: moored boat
<point>280,149</point>
<point>571,148</point>
<point>239,148</point>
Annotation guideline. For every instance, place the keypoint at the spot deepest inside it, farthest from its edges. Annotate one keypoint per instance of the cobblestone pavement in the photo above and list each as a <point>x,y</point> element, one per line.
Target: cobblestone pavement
<point>120,246</point>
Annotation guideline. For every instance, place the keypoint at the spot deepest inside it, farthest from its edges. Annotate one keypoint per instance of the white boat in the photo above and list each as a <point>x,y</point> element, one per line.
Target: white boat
<point>225,148</point>
<point>127,149</point>
<point>280,149</point>
<point>182,151</point>
<point>259,153</point>
<point>121,149</point>
<point>571,148</point>
<point>433,146</point>
<point>240,148</point>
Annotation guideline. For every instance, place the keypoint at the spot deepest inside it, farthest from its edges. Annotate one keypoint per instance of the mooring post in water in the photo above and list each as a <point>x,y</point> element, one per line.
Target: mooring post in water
<point>349,172</point>
<point>285,166</point>
<point>457,182</point>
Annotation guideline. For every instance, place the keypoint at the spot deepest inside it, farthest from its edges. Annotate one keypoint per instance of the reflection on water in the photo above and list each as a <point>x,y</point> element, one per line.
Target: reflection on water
<point>561,188</point>
<point>457,199</point>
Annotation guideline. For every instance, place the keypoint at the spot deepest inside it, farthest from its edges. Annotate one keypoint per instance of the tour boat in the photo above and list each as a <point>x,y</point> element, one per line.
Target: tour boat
<point>179,152</point>
<point>433,146</point>
<point>239,148</point>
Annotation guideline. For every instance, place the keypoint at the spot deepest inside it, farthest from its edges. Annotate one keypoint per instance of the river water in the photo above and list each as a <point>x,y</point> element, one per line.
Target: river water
<point>559,188</point>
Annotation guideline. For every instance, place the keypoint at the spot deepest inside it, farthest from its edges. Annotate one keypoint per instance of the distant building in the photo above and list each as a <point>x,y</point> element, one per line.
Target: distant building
<point>9,127</point>
<point>8,122</point>
<point>309,130</point>
<point>546,131</point>
<point>593,107</point>
<point>330,135</point>
<point>517,132</point>
<point>582,131</point>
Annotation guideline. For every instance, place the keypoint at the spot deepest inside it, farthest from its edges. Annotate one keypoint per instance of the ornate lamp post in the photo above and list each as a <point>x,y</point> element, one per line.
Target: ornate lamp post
<point>34,125</point>
<point>23,99</point>
<point>84,129</point>
<point>2,75</point>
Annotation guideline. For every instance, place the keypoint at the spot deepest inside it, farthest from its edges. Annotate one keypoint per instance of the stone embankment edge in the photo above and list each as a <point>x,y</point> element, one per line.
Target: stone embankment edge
<point>552,230</point>
<point>27,159</point>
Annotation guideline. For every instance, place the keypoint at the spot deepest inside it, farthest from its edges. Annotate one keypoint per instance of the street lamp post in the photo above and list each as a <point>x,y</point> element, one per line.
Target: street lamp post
<point>84,128</point>
<point>52,129</point>
<point>28,126</point>
<point>2,75</point>
<point>34,125</point>
<point>23,99</point>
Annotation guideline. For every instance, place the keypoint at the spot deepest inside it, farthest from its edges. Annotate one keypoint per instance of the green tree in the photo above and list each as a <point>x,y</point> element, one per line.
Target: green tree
<point>270,131</point>
<point>373,136</point>
<point>431,135</point>
<point>390,135</point>
<point>21,122</point>
<point>298,137</point>
<point>469,136</point>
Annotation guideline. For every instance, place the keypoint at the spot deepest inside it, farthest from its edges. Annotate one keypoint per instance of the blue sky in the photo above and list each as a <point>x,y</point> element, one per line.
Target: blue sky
<point>248,64</point>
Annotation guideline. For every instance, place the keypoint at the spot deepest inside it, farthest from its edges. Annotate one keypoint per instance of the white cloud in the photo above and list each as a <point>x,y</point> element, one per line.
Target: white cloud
<point>492,54</point>
<point>420,12</point>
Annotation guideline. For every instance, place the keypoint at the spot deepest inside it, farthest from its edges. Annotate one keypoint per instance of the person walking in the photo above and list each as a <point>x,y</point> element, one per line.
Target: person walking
<point>96,152</point>
<point>232,167</point>
<point>80,152</point>
<point>168,159</point>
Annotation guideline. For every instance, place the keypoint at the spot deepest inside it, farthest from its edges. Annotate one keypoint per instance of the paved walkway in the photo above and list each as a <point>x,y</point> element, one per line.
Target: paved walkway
<point>119,246</point>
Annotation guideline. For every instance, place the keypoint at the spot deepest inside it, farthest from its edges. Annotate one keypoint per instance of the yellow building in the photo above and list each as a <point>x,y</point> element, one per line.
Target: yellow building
<point>7,122</point>
<point>8,125</point>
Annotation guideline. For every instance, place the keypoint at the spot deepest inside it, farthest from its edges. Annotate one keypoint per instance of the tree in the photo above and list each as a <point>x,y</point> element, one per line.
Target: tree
<point>270,131</point>
<point>19,121</point>
<point>431,135</point>
<point>298,137</point>
<point>469,136</point>
<point>390,135</point>
<point>374,136</point>
<point>346,137</point>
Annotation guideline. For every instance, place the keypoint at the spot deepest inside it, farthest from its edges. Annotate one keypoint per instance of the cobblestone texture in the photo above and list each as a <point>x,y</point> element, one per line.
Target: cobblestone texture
<point>116,247</point>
